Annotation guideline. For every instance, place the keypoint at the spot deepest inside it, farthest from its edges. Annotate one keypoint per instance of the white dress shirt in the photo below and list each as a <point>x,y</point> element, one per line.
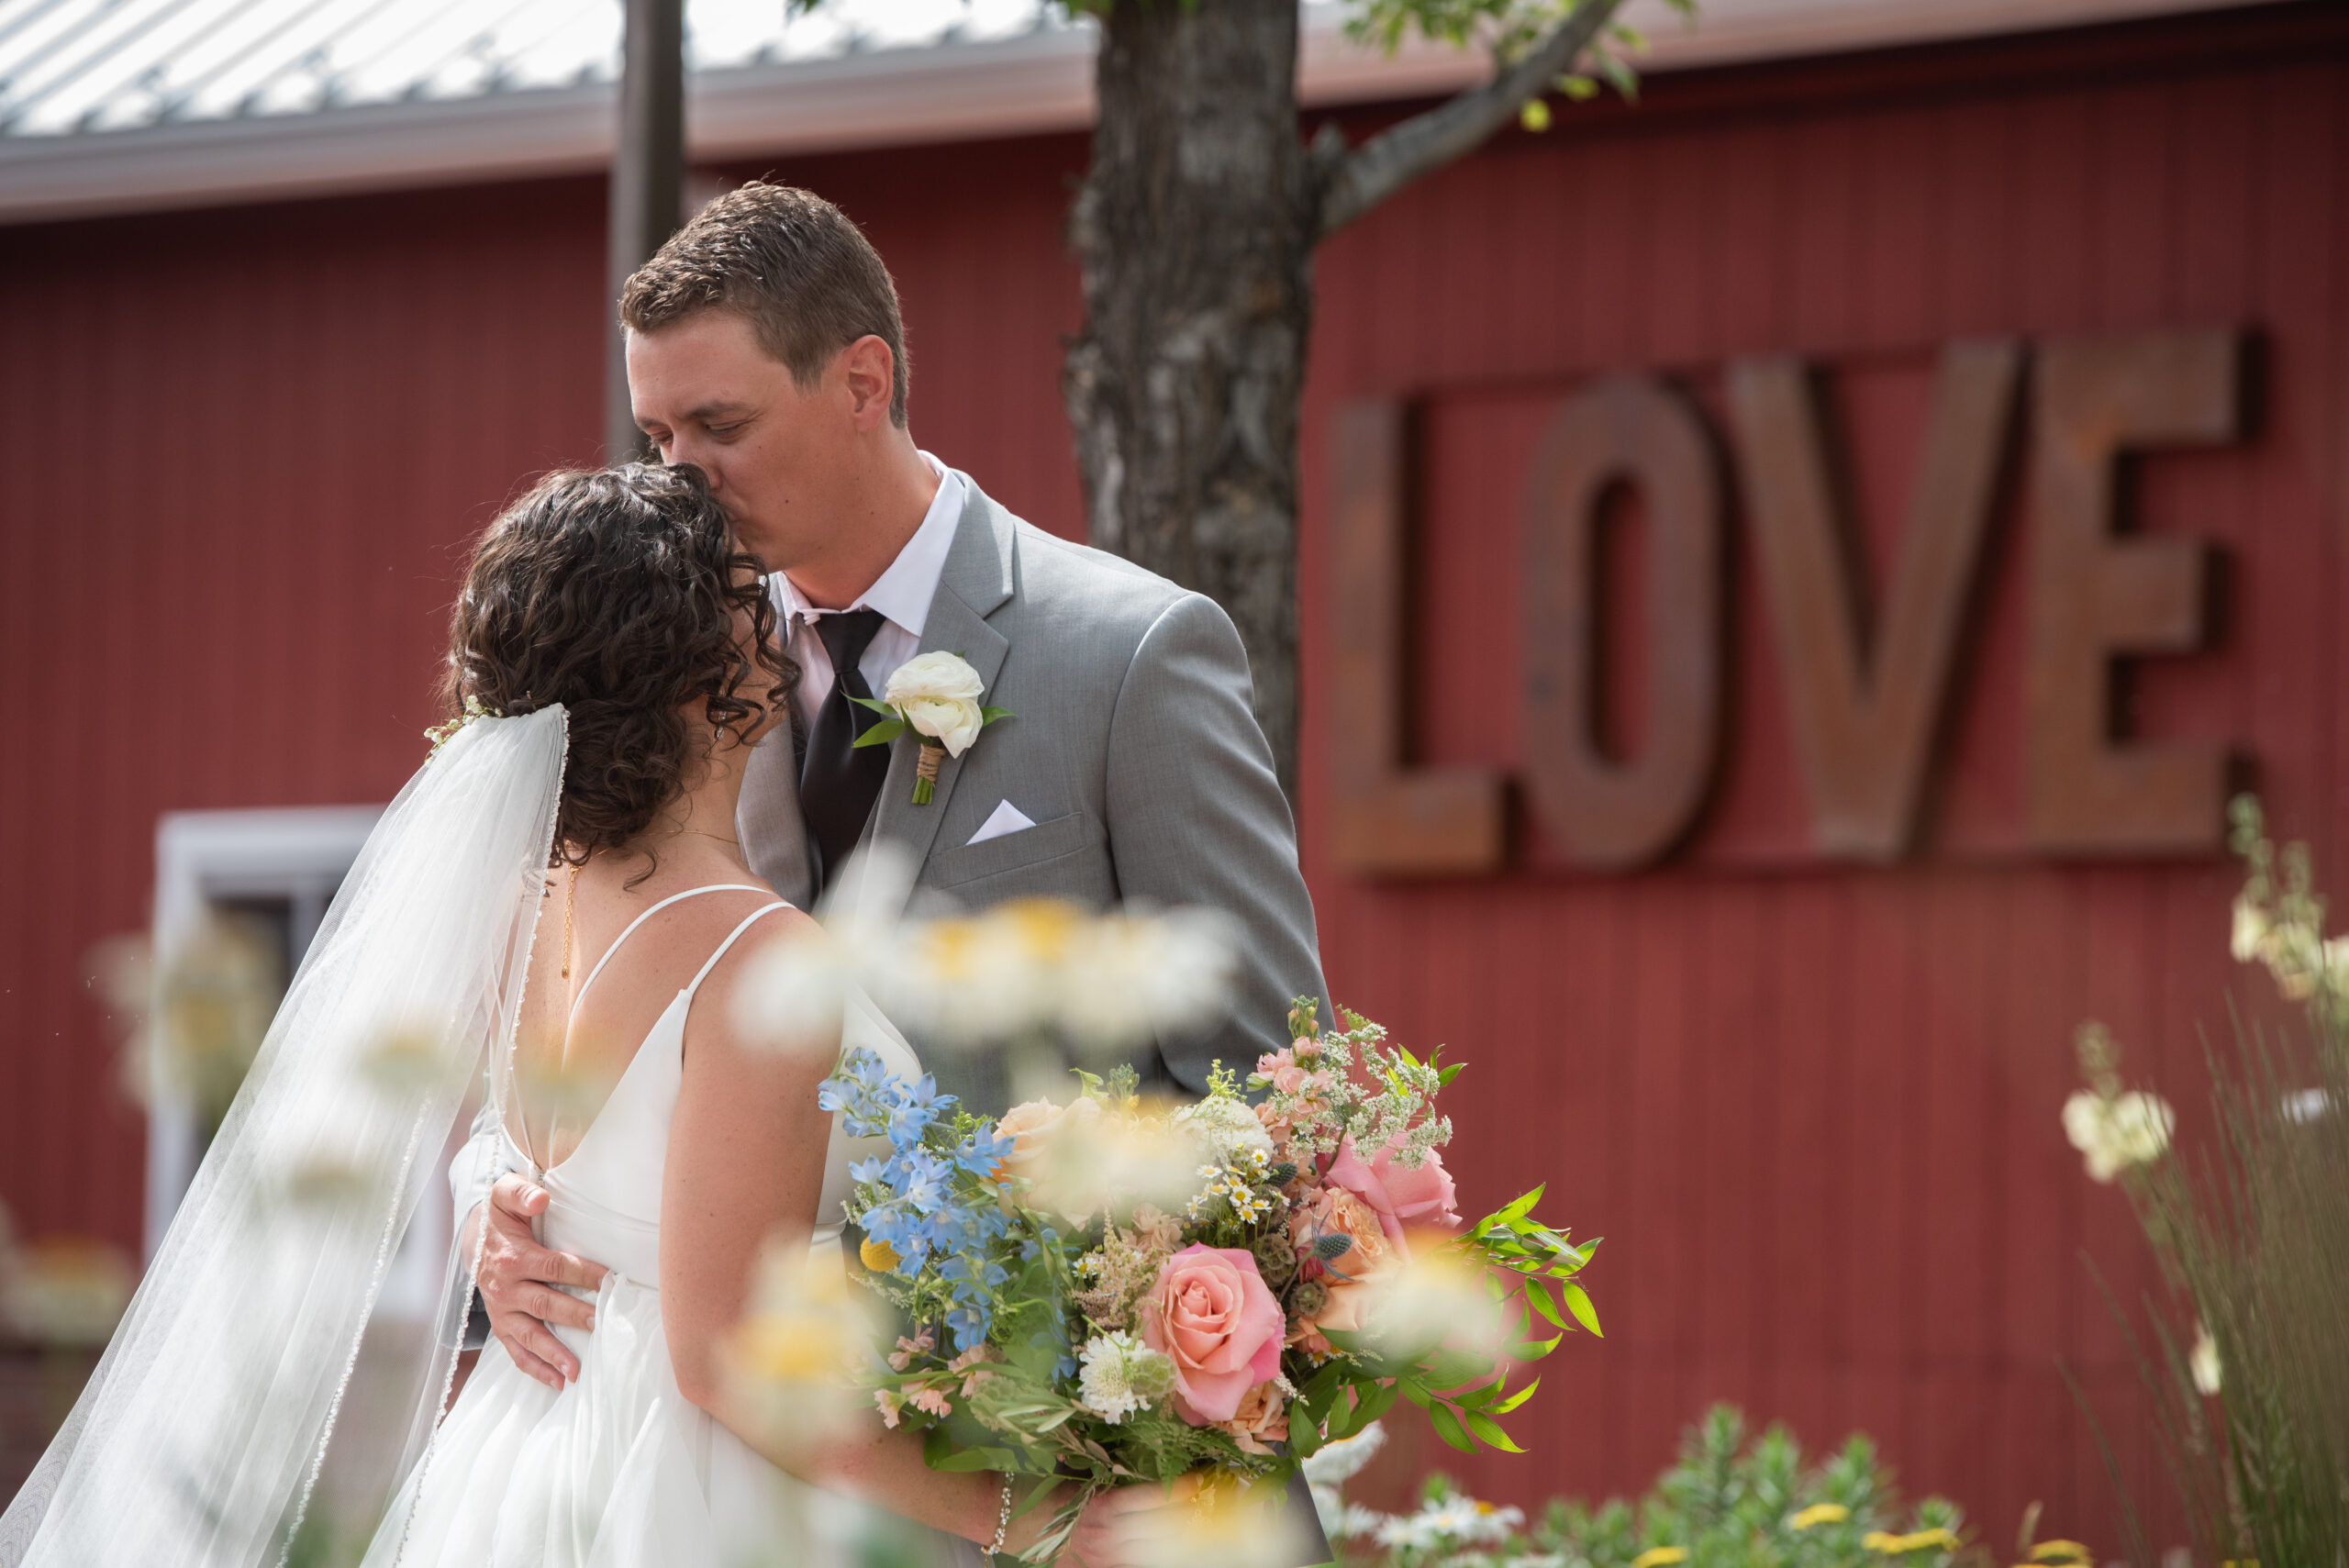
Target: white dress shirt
<point>902,594</point>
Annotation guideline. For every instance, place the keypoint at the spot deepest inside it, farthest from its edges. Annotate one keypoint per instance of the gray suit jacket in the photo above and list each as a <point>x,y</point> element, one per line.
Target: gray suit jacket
<point>1133,747</point>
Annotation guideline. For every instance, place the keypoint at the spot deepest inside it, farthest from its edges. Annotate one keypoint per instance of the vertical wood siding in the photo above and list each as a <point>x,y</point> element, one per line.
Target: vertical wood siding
<point>1812,1109</point>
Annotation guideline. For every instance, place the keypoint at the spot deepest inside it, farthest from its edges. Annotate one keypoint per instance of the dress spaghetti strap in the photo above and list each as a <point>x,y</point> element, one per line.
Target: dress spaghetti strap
<point>513,1089</point>
<point>632,925</point>
<point>731,937</point>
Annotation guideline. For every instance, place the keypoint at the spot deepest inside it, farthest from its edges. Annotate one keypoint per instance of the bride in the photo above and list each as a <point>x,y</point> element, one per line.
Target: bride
<point>555,905</point>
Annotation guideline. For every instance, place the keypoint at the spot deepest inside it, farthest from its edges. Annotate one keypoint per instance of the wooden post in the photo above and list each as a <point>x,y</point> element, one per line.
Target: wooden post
<point>648,184</point>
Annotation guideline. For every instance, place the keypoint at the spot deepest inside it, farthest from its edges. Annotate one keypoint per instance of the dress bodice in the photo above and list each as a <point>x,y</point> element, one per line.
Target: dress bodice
<point>614,1467</point>
<point>604,1197</point>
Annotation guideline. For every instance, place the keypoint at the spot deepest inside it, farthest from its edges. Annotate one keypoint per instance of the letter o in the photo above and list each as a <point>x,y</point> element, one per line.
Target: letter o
<point>1605,814</point>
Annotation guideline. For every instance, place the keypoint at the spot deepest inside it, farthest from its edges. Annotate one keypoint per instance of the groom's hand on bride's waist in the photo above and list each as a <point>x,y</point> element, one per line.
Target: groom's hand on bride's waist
<point>517,1281</point>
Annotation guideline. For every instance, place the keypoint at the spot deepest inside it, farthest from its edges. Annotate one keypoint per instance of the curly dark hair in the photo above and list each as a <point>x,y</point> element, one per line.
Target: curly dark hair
<point>622,595</point>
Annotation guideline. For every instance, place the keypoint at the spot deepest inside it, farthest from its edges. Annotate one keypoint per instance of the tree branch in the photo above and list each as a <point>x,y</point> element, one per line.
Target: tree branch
<point>1426,142</point>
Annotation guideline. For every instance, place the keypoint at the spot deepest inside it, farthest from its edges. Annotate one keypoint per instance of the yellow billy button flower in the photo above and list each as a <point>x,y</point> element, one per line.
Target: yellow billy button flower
<point>1657,1556</point>
<point>1899,1545</point>
<point>1818,1514</point>
<point>2062,1551</point>
<point>878,1256</point>
<point>787,1348</point>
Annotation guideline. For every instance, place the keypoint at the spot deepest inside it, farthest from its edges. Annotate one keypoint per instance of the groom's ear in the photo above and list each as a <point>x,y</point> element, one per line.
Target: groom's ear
<point>870,372</point>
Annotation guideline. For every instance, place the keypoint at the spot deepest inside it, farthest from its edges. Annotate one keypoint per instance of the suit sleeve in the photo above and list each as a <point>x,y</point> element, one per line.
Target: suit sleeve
<point>1196,816</point>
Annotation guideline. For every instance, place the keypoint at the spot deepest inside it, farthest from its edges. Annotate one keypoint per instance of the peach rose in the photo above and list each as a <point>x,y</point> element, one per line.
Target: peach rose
<point>1400,1196</point>
<point>1210,1312</point>
<point>1355,1275</point>
<point>1262,1418</point>
<point>1031,1128</point>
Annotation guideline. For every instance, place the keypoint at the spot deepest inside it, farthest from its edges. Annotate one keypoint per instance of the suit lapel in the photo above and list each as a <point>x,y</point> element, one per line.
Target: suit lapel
<point>975,582</point>
<point>767,818</point>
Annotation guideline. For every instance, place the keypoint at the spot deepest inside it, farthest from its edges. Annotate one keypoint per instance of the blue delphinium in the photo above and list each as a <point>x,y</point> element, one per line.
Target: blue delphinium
<point>932,1196</point>
<point>859,1087</point>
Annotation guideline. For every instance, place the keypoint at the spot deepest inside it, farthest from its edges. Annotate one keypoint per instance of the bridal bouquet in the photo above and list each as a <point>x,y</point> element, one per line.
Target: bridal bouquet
<point>1111,1291</point>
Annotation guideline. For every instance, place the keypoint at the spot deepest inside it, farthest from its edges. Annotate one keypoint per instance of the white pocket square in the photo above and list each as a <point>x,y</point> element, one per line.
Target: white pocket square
<point>1006,819</point>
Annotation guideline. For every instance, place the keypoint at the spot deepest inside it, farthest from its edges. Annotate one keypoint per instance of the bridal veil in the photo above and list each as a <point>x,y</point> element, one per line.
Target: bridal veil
<point>200,1438</point>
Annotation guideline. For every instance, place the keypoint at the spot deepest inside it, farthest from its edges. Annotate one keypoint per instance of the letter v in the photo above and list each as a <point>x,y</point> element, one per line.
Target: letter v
<point>1866,717</point>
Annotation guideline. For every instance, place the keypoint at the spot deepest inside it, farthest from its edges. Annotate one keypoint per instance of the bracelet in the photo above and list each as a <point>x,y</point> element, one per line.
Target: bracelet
<point>1001,1520</point>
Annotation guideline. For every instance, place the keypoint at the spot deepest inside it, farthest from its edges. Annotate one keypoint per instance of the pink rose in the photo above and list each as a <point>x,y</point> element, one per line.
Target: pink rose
<point>1400,1196</point>
<point>1210,1312</point>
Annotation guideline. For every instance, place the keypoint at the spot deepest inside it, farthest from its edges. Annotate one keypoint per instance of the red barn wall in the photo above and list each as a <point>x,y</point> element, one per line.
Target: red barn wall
<point>1813,1109</point>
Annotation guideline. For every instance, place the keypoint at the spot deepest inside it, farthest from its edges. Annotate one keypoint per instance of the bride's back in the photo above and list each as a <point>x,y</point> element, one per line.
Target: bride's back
<point>622,596</point>
<point>575,1040</point>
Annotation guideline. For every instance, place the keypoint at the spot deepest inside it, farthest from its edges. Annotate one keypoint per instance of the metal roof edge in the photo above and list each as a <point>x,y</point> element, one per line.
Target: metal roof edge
<point>1036,82</point>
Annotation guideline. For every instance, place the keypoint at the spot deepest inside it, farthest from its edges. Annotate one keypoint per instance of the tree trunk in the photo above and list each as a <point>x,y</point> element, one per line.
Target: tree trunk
<point>1194,229</point>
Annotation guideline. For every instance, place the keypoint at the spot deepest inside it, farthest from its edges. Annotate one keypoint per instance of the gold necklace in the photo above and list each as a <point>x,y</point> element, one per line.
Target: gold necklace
<point>569,899</point>
<point>701,833</point>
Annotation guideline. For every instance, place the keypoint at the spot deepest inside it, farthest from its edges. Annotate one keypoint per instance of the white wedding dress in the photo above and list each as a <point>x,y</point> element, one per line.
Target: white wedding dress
<point>618,1469</point>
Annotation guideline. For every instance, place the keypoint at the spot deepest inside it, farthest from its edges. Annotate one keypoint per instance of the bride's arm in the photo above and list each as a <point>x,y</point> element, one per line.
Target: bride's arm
<point>746,1160</point>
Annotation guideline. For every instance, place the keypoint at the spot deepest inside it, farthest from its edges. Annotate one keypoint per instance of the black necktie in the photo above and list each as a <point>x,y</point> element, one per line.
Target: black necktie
<point>837,782</point>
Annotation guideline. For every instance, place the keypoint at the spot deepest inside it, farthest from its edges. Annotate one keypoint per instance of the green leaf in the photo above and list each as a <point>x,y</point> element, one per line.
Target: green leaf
<point>1321,1393</point>
<point>875,704</point>
<point>1443,1078</point>
<point>1514,1400</point>
<point>1456,1369</point>
<point>939,1453</point>
<point>1578,1303</point>
<point>881,734</point>
<point>989,715</point>
<point>1346,1419</point>
<point>1539,1294</point>
<point>1480,1396</point>
<point>1535,1349</point>
<point>1485,1427</point>
<point>1447,1427</point>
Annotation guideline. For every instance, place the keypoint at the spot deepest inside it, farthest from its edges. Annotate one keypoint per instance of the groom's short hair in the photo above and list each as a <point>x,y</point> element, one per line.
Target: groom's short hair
<point>789,261</point>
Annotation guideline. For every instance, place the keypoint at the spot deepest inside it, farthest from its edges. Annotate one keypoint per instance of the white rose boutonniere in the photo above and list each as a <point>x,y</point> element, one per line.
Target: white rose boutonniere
<point>936,695</point>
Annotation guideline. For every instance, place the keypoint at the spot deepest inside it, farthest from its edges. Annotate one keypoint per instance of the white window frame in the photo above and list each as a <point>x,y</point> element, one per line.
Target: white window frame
<point>300,853</point>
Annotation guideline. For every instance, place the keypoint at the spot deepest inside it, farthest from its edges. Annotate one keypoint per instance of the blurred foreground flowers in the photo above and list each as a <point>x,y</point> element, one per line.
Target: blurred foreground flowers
<point>192,1027</point>
<point>1025,970</point>
<point>63,1291</point>
<point>796,1358</point>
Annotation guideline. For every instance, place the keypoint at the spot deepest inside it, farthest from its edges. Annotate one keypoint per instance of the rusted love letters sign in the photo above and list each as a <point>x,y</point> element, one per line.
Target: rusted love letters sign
<point>1866,710</point>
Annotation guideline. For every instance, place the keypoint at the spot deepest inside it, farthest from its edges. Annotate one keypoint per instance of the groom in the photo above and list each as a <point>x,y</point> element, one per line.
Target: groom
<point>764,347</point>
